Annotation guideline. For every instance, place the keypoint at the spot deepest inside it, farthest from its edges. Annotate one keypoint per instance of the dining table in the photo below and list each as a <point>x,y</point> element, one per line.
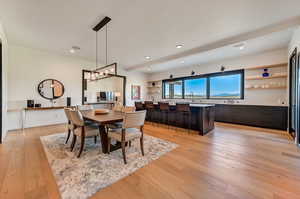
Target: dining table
<point>102,120</point>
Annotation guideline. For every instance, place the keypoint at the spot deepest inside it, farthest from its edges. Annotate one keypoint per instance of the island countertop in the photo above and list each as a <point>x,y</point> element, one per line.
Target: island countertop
<point>192,105</point>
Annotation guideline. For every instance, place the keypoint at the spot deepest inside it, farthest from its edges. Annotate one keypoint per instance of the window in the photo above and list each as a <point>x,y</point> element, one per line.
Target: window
<point>223,85</point>
<point>173,89</point>
<point>226,86</point>
<point>195,88</point>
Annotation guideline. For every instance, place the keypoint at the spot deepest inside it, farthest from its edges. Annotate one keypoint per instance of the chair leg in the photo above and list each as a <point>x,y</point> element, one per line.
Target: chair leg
<point>142,145</point>
<point>73,142</point>
<point>81,146</point>
<point>108,144</point>
<point>95,139</point>
<point>68,136</point>
<point>123,151</point>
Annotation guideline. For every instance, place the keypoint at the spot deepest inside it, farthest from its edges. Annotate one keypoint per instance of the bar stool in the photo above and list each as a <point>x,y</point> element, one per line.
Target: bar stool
<point>184,113</point>
<point>150,111</point>
<point>139,106</point>
<point>164,109</point>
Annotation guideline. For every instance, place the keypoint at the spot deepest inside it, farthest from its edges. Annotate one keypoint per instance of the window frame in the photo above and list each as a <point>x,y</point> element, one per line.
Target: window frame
<point>207,76</point>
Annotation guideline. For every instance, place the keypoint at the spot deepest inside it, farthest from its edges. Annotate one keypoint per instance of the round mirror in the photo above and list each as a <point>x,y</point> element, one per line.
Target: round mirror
<point>51,89</point>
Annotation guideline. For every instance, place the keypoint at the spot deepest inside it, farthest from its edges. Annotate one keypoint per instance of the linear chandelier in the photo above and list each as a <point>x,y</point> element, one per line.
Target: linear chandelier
<point>108,69</point>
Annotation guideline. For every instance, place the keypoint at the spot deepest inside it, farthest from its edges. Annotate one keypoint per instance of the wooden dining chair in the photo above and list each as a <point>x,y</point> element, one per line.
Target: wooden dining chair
<point>125,109</point>
<point>70,126</point>
<point>86,107</point>
<point>81,130</point>
<point>118,107</point>
<point>132,128</point>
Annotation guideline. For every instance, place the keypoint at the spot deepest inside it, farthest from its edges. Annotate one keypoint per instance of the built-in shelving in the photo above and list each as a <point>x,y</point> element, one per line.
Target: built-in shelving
<point>267,66</point>
<point>270,87</point>
<point>270,77</point>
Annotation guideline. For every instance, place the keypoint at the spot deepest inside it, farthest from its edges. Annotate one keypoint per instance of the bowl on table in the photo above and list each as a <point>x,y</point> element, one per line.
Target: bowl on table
<point>101,111</point>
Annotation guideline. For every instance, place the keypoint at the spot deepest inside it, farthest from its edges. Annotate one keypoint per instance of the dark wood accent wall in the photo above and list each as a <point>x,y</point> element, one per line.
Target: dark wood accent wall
<point>274,117</point>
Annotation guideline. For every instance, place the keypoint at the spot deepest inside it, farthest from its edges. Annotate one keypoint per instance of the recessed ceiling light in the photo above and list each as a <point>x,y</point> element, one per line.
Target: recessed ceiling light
<point>182,62</point>
<point>240,46</point>
<point>147,57</point>
<point>74,49</point>
<point>179,46</point>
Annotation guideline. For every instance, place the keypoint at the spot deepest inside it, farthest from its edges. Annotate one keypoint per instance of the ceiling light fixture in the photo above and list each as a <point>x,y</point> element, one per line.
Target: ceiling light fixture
<point>74,49</point>
<point>147,57</point>
<point>182,62</point>
<point>179,46</point>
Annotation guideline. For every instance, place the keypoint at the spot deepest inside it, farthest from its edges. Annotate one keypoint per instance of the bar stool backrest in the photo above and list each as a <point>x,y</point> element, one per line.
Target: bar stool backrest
<point>149,105</point>
<point>181,107</point>
<point>164,106</point>
<point>139,105</point>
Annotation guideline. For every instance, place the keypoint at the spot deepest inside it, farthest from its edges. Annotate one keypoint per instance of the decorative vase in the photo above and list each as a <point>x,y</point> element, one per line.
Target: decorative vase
<point>265,74</point>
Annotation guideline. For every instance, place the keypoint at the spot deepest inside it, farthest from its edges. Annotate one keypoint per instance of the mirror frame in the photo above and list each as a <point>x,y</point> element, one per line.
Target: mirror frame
<point>84,84</point>
<point>39,91</point>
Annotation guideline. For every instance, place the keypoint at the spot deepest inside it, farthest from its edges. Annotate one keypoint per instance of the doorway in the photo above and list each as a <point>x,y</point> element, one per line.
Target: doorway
<point>294,96</point>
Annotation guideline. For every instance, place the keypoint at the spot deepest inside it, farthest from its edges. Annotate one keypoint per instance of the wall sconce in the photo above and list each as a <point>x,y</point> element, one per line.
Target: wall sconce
<point>171,76</point>
<point>193,72</point>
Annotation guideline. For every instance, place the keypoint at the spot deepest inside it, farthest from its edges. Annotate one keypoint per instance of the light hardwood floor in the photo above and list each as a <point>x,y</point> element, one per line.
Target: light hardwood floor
<point>231,162</point>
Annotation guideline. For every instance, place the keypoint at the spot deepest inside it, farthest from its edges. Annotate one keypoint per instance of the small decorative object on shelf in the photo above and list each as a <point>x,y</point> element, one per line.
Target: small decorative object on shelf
<point>266,73</point>
<point>153,83</point>
<point>222,68</point>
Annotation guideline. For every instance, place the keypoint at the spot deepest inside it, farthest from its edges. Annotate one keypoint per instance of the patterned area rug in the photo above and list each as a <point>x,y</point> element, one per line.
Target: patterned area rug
<point>82,177</point>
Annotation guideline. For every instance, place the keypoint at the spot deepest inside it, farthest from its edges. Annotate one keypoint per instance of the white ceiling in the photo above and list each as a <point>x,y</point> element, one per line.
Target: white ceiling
<point>268,42</point>
<point>139,28</point>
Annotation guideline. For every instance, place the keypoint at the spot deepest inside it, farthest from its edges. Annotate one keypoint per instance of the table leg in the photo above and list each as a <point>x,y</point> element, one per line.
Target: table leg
<point>104,140</point>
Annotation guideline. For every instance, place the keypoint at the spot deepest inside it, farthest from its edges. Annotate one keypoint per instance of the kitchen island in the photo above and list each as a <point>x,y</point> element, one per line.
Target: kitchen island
<point>201,119</point>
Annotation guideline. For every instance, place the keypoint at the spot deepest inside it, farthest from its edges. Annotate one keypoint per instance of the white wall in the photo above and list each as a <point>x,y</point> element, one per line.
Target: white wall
<point>275,97</point>
<point>5,62</point>
<point>134,78</point>
<point>30,66</point>
<point>295,41</point>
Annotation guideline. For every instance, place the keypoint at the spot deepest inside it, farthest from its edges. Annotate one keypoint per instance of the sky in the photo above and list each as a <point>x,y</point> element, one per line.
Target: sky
<point>229,84</point>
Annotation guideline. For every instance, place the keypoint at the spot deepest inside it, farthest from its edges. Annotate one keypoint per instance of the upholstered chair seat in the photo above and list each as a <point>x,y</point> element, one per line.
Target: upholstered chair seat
<point>131,133</point>
<point>89,131</point>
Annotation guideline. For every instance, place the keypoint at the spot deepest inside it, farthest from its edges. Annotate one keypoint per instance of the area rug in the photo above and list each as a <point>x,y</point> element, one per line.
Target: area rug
<point>82,177</point>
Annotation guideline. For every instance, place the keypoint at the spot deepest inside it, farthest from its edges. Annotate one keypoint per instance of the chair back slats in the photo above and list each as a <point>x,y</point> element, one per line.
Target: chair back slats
<point>85,107</point>
<point>164,106</point>
<point>134,119</point>
<point>128,109</point>
<point>76,117</point>
<point>181,107</point>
